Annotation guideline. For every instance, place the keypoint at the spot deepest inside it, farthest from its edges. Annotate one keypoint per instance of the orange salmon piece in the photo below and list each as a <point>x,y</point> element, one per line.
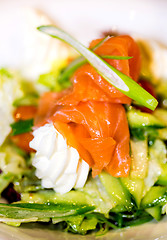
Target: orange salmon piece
<point>96,128</point>
<point>23,140</point>
<point>89,85</point>
<point>24,112</point>
<point>90,115</point>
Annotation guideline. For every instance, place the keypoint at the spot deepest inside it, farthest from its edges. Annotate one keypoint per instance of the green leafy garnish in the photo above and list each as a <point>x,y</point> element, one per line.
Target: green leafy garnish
<point>22,126</point>
<point>119,80</point>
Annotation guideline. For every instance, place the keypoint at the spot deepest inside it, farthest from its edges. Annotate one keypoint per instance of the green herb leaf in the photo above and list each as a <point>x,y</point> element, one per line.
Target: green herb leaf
<point>22,126</point>
<point>119,80</point>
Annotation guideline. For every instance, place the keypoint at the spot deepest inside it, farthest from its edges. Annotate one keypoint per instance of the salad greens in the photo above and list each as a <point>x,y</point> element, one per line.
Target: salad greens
<point>10,89</point>
<point>104,202</point>
<point>29,100</point>
<point>52,80</point>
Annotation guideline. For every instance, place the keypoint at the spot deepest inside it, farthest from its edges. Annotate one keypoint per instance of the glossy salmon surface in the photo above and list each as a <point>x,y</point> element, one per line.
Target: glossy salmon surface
<point>91,116</point>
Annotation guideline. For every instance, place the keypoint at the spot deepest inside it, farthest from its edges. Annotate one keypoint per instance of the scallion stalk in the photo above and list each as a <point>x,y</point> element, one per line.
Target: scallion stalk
<point>78,62</point>
<point>119,80</point>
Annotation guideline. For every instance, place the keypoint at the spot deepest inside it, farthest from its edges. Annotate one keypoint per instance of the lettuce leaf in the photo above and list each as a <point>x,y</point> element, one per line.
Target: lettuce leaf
<point>10,89</point>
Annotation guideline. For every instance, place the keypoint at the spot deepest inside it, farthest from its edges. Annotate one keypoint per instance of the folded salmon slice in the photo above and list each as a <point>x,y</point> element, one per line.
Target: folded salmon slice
<point>101,131</point>
<point>89,85</point>
<point>91,115</point>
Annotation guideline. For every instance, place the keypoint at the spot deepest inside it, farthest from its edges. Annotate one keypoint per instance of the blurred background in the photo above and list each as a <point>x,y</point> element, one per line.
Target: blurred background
<point>83,19</point>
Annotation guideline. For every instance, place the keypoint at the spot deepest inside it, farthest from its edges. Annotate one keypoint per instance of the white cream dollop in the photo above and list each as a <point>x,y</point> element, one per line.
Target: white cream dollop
<point>58,165</point>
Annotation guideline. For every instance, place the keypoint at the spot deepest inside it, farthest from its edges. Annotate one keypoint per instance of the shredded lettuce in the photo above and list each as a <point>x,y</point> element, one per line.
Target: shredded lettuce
<point>102,204</point>
<point>12,160</point>
<point>51,80</point>
<point>10,89</point>
<point>27,100</point>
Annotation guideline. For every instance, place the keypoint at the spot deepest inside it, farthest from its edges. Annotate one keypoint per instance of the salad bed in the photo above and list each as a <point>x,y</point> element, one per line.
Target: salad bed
<point>108,200</point>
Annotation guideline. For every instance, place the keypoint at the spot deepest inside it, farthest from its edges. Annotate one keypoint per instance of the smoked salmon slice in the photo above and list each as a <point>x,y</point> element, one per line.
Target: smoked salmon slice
<point>97,88</point>
<point>104,134</point>
<point>91,116</point>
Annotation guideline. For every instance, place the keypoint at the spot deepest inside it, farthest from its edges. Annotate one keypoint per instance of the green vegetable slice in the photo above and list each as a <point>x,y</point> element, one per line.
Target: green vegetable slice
<point>138,119</point>
<point>156,196</point>
<point>155,212</point>
<point>22,126</point>
<point>119,80</point>
<point>37,211</point>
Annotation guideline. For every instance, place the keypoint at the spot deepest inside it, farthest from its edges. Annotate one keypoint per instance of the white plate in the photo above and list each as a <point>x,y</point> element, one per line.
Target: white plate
<point>85,20</point>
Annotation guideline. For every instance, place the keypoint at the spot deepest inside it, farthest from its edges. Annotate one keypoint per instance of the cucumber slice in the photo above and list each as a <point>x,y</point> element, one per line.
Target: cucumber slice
<point>155,212</point>
<point>119,209</point>
<point>139,153</point>
<point>157,156</point>
<point>135,187</point>
<point>116,190</point>
<point>93,193</point>
<point>88,224</point>
<point>161,115</point>
<point>156,196</point>
<point>162,179</point>
<point>49,196</point>
<point>162,133</point>
<point>25,212</point>
<point>138,119</point>
<point>158,151</point>
<point>97,193</point>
